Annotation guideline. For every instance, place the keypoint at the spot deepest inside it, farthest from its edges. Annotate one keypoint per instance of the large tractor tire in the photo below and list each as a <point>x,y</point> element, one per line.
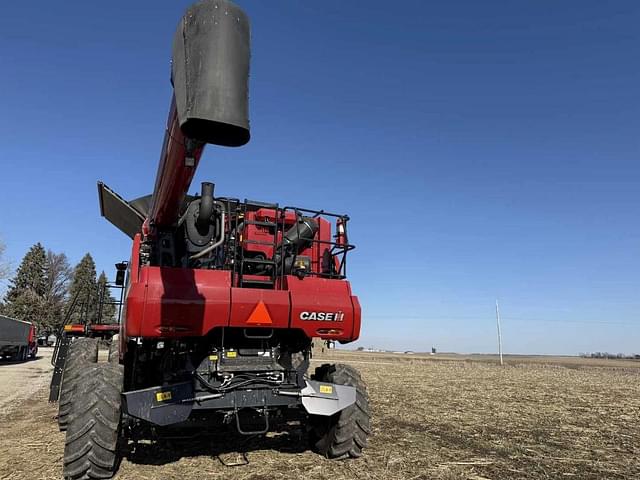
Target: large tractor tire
<point>82,353</point>
<point>344,434</point>
<point>91,446</point>
<point>114,349</point>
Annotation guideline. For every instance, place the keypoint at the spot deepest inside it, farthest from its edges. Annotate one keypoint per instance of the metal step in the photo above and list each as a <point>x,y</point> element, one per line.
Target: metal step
<point>58,360</point>
<point>258,242</point>
<point>248,281</point>
<point>256,261</point>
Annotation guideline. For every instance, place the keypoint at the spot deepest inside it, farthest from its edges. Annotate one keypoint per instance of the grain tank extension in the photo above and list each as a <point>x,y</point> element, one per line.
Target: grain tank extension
<point>223,295</point>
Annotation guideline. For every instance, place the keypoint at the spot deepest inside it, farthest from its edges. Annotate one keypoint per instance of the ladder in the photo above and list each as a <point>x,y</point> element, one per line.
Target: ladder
<point>268,281</point>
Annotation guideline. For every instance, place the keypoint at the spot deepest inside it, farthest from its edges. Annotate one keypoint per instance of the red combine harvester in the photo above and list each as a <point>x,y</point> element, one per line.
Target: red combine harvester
<point>223,296</point>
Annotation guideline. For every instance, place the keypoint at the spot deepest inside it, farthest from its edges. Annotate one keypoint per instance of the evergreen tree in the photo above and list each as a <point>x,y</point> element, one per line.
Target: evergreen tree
<point>84,288</point>
<point>30,307</point>
<point>108,305</point>
<point>25,298</point>
<point>31,274</point>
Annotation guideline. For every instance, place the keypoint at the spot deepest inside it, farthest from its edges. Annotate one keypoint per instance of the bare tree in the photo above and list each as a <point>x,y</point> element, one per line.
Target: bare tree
<point>5,266</point>
<point>58,277</point>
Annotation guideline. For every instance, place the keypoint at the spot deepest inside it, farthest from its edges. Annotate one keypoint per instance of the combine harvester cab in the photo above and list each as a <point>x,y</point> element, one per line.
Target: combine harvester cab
<point>223,296</point>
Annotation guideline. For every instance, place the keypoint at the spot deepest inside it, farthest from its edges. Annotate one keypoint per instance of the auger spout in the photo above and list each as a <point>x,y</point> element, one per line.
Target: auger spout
<point>210,74</point>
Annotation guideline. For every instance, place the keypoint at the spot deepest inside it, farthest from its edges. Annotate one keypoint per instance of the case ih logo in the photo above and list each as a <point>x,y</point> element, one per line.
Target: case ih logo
<point>322,316</point>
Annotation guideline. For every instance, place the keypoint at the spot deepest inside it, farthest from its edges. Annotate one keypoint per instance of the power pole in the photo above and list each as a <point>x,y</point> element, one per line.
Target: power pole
<point>499,333</point>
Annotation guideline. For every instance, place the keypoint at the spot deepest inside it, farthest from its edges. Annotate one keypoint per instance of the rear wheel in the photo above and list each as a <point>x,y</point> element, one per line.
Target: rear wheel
<point>82,353</point>
<point>344,434</point>
<point>91,446</point>
<point>17,355</point>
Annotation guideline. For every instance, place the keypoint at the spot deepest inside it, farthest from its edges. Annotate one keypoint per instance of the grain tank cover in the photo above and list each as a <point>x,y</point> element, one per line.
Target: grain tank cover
<point>210,73</point>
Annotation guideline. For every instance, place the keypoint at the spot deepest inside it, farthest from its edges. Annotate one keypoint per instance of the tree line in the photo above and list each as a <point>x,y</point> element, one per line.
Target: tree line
<point>44,287</point>
<point>607,355</point>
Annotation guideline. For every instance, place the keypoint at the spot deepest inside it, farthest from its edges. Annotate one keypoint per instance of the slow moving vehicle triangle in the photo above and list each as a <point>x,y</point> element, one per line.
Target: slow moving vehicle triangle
<point>260,315</point>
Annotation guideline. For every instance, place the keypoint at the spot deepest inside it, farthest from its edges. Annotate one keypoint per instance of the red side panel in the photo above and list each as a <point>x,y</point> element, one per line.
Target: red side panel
<point>134,263</point>
<point>178,302</point>
<point>357,317</point>
<point>246,310</point>
<point>313,300</point>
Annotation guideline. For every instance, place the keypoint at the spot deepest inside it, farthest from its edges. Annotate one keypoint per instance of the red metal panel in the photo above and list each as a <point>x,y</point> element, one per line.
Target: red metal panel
<point>178,302</point>
<point>133,307</point>
<point>332,298</point>
<point>174,174</point>
<point>134,263</point>
<point>261,233</point>
<point>104,327</point>
<point>245,300</point>
<point>357,318</point>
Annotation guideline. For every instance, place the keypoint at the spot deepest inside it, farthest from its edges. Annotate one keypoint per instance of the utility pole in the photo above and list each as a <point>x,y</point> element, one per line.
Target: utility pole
<point>499,333</point>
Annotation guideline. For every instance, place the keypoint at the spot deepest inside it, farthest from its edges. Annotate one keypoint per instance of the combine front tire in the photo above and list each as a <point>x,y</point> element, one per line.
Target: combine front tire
<point>344,434</point>
<point>91,446</point>
<point>114,349</point>
<point>82,353</point>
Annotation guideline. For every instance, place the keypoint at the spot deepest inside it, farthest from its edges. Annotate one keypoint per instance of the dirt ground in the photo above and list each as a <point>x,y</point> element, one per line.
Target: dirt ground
<point>21,380</point>
<point>448,419</point>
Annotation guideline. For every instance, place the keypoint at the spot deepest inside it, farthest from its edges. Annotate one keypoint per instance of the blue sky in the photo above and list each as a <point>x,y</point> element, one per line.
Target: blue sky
<point>483,150</point>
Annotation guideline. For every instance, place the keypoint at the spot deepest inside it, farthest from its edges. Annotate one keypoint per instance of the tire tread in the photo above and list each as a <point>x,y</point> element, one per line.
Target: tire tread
<point>82,353</point>
<point>91,446</point>
<point>343,435</point>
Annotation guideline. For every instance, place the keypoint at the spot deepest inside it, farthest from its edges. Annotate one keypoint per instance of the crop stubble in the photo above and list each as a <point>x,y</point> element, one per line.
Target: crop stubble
<point>431,420</point>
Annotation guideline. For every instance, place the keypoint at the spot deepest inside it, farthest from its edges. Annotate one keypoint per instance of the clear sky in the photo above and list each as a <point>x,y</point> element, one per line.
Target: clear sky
<point>483,150</point>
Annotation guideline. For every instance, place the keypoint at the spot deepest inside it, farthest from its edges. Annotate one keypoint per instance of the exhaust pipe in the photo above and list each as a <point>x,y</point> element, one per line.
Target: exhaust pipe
<point>206,206</point>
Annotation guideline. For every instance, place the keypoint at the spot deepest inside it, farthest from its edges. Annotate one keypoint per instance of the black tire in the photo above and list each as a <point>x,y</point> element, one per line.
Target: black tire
<point>91,446</point>
<point>82,353</point>
<point>114,349</point>
<point>20,355</point>
<point>344,434</point>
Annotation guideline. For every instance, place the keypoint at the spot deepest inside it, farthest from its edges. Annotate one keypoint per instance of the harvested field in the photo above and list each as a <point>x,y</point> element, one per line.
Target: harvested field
<point>453,419</point>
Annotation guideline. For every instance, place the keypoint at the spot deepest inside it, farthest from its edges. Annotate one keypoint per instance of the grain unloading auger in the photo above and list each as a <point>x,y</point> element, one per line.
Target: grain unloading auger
<point>223,296</point>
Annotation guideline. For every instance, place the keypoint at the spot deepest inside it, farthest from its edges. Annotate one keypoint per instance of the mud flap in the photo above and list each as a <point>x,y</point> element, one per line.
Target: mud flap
<point>160,405</point>
<point>321,398</point>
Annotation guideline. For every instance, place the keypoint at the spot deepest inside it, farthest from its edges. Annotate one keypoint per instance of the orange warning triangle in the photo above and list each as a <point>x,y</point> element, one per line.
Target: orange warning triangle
<point>260,315</point>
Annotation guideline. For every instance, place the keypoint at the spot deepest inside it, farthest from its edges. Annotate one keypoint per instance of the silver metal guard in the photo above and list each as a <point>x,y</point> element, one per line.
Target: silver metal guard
<point>321,398</point>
